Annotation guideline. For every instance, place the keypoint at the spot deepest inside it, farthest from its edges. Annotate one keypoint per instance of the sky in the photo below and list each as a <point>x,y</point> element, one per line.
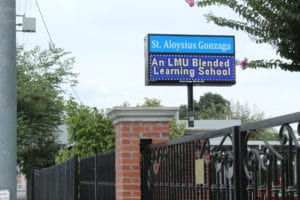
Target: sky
<point>107,40</point>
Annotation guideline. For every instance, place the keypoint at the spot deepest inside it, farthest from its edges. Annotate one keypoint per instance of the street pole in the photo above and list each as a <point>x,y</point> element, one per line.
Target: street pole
<point>8,110</point>
<point>190,107</point>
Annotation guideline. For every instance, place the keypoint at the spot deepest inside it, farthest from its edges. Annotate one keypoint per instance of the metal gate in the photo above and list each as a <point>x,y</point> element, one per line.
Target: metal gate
<point>226,164</point>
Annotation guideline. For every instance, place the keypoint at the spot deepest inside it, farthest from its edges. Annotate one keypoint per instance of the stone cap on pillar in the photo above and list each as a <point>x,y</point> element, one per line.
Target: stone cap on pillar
<point>142,114</point>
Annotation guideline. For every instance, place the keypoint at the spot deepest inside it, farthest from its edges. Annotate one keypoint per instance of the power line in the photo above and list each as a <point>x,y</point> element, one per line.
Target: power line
<point>76,94</point>
<point>44,22</point>
<point>50,38</point>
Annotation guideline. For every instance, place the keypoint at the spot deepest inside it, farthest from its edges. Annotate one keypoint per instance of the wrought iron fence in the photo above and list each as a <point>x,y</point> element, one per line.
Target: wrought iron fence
<point>56,182</point>
<point>90,179</point>
<point>234,168</point>
<point>97,177</point>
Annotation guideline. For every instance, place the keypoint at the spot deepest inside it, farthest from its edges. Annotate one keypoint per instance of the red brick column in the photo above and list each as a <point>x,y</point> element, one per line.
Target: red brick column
<point>132,125</point>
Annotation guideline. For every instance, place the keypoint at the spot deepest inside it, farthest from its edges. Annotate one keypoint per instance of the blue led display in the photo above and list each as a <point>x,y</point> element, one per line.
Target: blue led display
<point>191,68</point>
<point>191,44</point>
<point>182,59</point>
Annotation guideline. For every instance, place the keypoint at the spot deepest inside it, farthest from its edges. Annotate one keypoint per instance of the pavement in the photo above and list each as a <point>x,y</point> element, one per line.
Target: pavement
<point>21,195</point>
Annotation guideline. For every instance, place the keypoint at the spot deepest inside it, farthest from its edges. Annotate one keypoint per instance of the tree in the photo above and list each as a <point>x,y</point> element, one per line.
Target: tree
<point>247,114</point>
<point>276,22</point>
<point>269,134</point>
<point>244,113</point>
<point>176,130</point>
<point>212,106</point>
<point>183,110</point>
<point>40,104</point>
<point>89,131</point>
<point>151,102</point>
<point>209,106</point>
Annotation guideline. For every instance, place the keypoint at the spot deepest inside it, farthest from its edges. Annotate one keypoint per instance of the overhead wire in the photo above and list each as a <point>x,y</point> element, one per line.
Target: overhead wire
<point>51,41</point>
<point>44,22</point>
<point>76,94</point>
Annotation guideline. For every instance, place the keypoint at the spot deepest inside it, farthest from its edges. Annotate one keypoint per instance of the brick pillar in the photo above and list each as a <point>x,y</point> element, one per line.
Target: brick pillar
<point>133,124</point>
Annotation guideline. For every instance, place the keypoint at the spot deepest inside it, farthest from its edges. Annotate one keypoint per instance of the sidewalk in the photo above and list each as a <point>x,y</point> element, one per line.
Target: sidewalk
<point>21,195</point>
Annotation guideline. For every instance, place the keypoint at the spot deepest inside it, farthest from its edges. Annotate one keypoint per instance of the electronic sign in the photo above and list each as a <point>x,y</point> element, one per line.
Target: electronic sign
<point>182,59</point>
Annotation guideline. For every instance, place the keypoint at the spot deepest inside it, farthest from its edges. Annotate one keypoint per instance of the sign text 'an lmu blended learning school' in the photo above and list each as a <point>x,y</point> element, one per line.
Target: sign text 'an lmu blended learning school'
<point>191,67</point>
<point>178,59</point>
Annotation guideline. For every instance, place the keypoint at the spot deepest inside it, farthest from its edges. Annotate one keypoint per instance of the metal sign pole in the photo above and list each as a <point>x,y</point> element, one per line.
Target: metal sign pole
<point>190,110</point>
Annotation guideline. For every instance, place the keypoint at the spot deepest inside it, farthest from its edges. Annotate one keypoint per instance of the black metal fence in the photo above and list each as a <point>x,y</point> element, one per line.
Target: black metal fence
<point>56,182</point>
<point>90,179</point>
<point>235,168</point>
<point>97,177</point>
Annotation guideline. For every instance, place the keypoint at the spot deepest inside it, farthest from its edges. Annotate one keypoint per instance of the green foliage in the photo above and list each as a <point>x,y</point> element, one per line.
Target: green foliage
<point>40,104</point>
<point>244,113</point>
<point>89,131</point>
<point>209,106</point>
<point>269,134</point>
<point>183,112</point>
<point>248,114</point>
<point>212,106</point>
<point>276,22</point>
<point>64,155</point>
<point>125,104</point>
<point>176,130</point>
<point>151,102</point>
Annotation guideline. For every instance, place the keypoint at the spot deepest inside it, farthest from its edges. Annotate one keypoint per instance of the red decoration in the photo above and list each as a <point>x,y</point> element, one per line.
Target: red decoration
<point>244,63</point>
<point>190,2</point>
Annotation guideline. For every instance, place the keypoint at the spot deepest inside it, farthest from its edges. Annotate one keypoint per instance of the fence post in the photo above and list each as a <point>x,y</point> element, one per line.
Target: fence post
<point>145,163</point>
<point>30,186</point>
<point>95,178</point>
<point>76,175</point>
<point>240,181</point>
<point>37,184</point>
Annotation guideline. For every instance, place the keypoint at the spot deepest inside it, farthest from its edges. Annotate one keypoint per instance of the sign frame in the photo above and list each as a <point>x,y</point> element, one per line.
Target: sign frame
<point>171,46</point>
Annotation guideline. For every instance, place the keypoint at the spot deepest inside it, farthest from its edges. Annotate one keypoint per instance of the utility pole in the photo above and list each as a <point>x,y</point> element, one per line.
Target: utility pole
<point>8,109</point>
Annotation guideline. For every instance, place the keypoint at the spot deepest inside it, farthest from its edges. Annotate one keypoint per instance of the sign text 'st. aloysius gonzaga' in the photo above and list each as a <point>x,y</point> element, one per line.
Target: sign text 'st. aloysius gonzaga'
<point>182,59</point>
